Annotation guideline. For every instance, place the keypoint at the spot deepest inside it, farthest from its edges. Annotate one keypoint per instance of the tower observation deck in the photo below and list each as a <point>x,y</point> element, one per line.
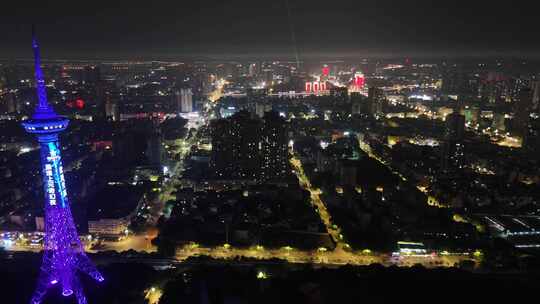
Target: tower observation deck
<point>63,253</point>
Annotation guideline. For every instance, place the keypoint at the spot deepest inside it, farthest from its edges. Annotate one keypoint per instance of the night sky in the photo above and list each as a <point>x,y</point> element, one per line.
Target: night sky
<point>175,29</point>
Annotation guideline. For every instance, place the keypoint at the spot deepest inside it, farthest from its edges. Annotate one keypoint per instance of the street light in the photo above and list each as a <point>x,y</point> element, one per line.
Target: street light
<point>261,275</point>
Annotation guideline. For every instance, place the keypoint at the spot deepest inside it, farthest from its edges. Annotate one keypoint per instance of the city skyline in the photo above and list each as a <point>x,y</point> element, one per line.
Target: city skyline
<point>273,152</point>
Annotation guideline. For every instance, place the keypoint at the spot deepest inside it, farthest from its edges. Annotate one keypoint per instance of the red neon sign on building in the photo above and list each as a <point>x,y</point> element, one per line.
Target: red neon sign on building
<point>325,70</point>
<point>316,86</point>
<point>359,80</point>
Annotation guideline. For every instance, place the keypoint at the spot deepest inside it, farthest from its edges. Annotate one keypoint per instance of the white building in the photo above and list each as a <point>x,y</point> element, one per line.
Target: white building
<point>184,100</point>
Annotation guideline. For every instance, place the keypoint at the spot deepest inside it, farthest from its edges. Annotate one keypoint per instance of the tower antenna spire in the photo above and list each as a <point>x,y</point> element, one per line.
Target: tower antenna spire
<point>63,252</point>
<point>43,109</point>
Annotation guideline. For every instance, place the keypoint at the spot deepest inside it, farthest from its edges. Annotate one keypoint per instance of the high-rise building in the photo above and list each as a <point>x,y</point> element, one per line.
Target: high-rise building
<point>10,100</point>
<point>494,88</point>
<point>316,87</point>
<point>184,100</point>
<point>340,94</point>
<point>453,145</point>
<point>359,80</point>
<point>235,147</point>
<point>358,103</point>
<point>472,114</point>
<point>274,147</point>
<point>63,252</point>
<point>522,112</point>
<point>222,147</point>
<point>514,87</point>
<point>154,149</point>
<point>92,75</point>
<point>112,110</point>
<point>13,75</point>
<point>456,82</point>
<point>499,121</point>
<point>253,70</point>
<point>536,94</point>
<point>261,108</point>
<point>375,101</point>
<point>267,71</point>
<point>325,70</point>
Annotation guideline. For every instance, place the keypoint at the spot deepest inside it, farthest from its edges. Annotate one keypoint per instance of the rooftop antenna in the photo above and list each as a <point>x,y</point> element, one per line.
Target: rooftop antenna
<point>43,109</point>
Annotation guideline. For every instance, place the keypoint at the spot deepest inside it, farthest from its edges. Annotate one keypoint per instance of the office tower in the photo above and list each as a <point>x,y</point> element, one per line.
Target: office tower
<point>63,253</point>
<point>274,147</point>
<point>184,100</point>
<point>375,101</point>
<point>453,147</point>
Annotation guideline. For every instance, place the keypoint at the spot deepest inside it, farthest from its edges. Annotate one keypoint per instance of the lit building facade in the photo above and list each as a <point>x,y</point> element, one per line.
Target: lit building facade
<point>274,147</point>
<point>235,147</point>
<point>316,87</point>
<point>184,100</point>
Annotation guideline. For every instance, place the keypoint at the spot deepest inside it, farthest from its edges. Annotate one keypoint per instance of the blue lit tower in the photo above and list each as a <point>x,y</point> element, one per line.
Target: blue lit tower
<point>63,253</point>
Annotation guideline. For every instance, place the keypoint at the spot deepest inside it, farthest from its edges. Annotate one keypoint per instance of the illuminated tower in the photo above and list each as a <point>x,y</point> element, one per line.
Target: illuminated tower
<point>63,253</point>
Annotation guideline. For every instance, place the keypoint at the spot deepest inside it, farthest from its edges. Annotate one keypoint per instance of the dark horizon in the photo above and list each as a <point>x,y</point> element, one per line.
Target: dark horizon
<point>169,30</point>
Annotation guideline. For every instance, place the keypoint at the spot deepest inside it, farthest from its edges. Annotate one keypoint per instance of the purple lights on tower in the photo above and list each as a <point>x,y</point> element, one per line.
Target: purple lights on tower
<point>63,253</point>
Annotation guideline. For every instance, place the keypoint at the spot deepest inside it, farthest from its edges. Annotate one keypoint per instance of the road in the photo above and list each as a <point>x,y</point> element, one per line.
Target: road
<point>332,228</point>
<point>322,257</point>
